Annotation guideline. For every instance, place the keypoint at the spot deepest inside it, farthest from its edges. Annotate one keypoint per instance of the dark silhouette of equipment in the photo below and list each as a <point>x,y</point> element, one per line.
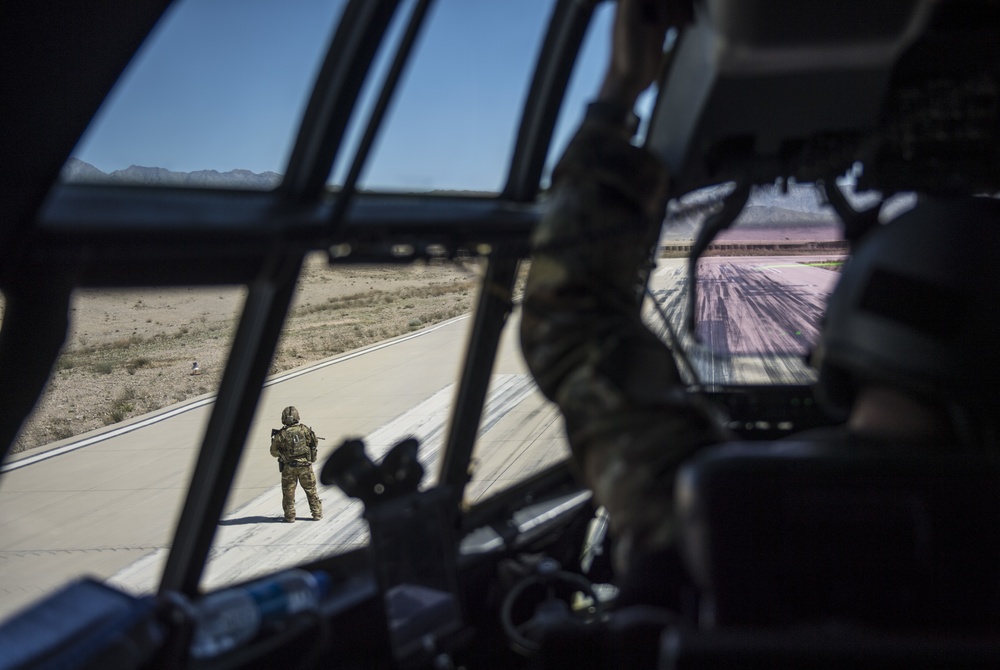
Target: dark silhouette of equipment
<point>350,468</point>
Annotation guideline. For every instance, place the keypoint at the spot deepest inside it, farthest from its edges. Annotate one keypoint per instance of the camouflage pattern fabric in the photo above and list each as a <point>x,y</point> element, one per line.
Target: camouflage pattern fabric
<point>305,476</point>
<point>295,446</point>
<point>628,419</point>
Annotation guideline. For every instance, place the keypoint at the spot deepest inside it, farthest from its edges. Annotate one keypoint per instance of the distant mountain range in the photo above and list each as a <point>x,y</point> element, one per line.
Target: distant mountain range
<point>78,171</point>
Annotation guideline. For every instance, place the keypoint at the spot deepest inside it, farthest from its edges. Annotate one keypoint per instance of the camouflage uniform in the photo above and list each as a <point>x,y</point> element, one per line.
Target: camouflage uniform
<point>295,447</point>
<point>628,418</point>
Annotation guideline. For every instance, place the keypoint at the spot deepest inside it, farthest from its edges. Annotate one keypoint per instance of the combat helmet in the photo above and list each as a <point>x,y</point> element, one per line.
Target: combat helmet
<point>289,416</point>
<point>916,310</point>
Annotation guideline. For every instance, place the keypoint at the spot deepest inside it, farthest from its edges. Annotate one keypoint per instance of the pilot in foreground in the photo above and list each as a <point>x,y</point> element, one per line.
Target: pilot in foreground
<point>916,364</point>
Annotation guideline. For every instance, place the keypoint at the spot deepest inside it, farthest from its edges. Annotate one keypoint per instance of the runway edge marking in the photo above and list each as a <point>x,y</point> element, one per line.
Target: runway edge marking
<point>208,400</point>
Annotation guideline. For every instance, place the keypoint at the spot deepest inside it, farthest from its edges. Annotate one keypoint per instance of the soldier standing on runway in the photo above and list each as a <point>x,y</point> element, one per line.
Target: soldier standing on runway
<point>295,448</point>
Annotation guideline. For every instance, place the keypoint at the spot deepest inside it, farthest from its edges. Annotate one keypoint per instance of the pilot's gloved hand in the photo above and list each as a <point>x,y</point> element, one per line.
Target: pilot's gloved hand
<point>637,46</point>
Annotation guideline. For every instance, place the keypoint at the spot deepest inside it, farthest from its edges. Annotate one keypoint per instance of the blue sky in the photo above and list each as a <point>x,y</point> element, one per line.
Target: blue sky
<point>223,83</point>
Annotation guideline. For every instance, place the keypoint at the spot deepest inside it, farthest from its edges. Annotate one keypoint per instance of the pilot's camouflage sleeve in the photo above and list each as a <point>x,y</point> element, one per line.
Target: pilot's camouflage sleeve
<point>628,418</point>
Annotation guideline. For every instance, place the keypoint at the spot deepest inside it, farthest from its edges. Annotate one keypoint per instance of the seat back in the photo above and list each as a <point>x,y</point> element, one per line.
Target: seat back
<point>789,533</point>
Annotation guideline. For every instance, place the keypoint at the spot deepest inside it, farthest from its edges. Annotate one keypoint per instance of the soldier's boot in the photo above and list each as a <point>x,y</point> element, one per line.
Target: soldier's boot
<point>289,519</point>
<point>316,507</point>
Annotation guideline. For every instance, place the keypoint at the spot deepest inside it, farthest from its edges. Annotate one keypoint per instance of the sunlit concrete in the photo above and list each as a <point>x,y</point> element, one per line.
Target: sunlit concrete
<point>108,508</point>
<point>106,503</point>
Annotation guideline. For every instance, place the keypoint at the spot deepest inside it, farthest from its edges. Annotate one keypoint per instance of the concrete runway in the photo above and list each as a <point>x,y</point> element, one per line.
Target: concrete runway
<point>105,504</point>
<point>757,317</point>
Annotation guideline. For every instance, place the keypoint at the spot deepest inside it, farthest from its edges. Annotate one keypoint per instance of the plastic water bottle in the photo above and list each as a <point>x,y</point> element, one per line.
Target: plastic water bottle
<point>227,619</point>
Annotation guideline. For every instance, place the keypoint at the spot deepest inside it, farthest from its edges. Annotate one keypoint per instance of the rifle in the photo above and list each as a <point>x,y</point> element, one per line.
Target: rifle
<point>281,463</point>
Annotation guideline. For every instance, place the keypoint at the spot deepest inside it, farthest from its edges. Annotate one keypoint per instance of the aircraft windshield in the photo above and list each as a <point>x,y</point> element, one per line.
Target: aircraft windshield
<point>369,351</point>
<point>211,95</point>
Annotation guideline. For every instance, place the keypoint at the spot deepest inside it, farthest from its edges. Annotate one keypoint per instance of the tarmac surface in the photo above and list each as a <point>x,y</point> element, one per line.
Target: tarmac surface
<point>105,504</point>
<point>757,318</point>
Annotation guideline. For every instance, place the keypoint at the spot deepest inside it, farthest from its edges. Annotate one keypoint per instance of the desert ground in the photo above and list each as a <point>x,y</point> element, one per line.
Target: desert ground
<point>129,352</point>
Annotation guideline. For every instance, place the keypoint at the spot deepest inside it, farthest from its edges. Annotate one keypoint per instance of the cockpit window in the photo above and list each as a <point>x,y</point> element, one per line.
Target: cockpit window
<point>521,433</point>
<point>583,84</point>
<point>761,286</point>
<point>454,116</point>
<point>369,352</point>
<point>212,99</point>
<point>755,313</point>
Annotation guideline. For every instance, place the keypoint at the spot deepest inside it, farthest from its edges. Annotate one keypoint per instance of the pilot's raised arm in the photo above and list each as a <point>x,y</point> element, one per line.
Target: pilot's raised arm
<point>628,419</point>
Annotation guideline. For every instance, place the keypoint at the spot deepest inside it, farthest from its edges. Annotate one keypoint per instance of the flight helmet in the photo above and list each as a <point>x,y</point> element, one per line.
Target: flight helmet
<point>916,309</point>
<point>289,416</point>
